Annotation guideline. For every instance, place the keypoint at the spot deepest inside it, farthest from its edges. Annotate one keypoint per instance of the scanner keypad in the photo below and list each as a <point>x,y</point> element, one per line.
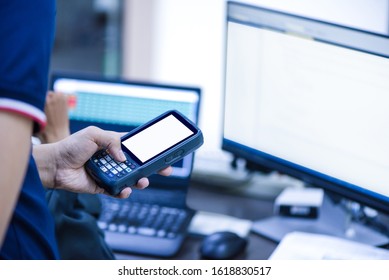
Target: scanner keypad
<point>111,167</point>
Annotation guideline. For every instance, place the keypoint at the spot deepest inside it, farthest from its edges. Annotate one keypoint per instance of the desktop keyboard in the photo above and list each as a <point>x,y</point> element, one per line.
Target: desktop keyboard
<point>143,228</point>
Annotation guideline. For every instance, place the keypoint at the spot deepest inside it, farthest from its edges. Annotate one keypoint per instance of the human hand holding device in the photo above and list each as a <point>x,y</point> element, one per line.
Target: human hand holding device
<point>61,164</point>
<point>148,148</point>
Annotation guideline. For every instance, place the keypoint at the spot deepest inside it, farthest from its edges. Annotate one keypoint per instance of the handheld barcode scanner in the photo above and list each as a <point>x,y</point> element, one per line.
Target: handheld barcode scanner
<point>148,148</point>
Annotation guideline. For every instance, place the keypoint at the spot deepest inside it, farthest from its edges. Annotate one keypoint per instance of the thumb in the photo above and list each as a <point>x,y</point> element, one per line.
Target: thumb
<point>109,140</point>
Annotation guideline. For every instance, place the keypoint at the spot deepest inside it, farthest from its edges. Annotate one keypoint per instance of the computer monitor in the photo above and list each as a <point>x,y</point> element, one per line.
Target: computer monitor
<point>309,99</point>
<point>121,105</point>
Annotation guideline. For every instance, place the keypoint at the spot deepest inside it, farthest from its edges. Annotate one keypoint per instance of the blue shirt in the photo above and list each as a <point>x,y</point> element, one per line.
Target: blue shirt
<point>26,36</point>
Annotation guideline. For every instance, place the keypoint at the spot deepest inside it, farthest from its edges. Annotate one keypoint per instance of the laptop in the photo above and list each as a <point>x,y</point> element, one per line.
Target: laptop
<point>153,221</point>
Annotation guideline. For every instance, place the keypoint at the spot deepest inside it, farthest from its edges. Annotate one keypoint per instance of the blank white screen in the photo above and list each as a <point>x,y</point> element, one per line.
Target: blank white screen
<point>157,138</point>
<point>321,106</point>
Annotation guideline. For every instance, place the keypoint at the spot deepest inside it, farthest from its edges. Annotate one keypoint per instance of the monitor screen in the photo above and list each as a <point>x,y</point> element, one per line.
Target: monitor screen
<point>309,99</point>
<point>120,105</point>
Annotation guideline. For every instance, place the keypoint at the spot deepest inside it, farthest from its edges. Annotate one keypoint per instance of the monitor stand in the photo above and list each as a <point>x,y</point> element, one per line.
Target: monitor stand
<point>333,220</point>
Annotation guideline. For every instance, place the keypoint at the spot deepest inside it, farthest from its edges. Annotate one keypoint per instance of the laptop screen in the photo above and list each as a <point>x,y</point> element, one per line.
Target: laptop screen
<point>121,105</point>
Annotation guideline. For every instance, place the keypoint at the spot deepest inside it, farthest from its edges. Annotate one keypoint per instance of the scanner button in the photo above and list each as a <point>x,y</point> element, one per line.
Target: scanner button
<point>179,153</point>
<point>118,168</point>
<point>169,159</point>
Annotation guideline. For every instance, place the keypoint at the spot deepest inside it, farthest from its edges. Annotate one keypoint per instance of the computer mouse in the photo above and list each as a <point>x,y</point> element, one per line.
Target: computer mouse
<point>222,245</point>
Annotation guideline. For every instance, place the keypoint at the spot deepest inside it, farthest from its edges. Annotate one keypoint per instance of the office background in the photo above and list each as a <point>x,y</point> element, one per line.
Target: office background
<point>182,42</point>
<point>179,42</point>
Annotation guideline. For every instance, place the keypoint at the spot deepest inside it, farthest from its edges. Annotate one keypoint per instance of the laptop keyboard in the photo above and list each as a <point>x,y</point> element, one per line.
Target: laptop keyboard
<point>134,218</point>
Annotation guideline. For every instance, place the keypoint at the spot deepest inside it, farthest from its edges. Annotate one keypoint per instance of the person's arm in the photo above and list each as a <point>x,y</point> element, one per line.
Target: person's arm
<point>15,147</point>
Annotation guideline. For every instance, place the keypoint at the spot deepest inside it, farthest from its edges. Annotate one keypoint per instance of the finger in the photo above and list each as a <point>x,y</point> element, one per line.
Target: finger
<point>92,186</point>
<point>63,98</point>
<point>49,97</point>
<point>166,171</point>
<point>142,183</point>
<point>125,193</point>
<point>109,140</point>
<point>115,148</point>
<point>96,189</point>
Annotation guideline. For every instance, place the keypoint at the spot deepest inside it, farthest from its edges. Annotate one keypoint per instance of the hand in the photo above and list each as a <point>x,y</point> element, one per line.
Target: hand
<point>70,155</point>
<point>56,110</point>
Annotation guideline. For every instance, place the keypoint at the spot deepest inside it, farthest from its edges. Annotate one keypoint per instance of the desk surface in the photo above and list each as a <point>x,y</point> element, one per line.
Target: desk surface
<point>220,201</point>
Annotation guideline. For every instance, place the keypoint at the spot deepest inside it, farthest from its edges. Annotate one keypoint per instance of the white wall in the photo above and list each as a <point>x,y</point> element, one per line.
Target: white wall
<point>190,50</point>
<point>138,39</point>
<point>188,45</point>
